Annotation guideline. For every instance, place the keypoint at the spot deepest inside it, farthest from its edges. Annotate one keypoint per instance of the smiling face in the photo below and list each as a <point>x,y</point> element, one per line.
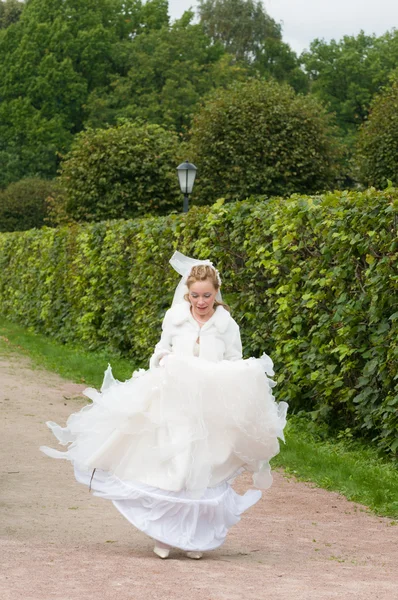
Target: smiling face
<point>202,295</point>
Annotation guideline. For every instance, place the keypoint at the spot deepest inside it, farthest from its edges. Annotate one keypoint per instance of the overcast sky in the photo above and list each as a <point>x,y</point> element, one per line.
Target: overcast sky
<point>305,20</point>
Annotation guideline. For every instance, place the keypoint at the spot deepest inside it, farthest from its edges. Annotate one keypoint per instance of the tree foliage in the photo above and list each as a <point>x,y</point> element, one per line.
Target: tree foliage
<point>260,137</point>
<point>241,26</point>
<point>66,65</point>
<point>70,64</point>
<point>346,74</point>
<point>171,69</point>
<point>277,59</point>
<point>252,37</point>
<point>10,12</point>
<point>29,142</point>
<point>377,151</point>
<point>310,280</point>
<point>119,172</point>
<point>50,60</point>
<point>23,204</point>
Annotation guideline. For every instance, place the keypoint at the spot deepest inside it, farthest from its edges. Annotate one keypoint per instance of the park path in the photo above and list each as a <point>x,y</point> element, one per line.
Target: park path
<point>58,542</point>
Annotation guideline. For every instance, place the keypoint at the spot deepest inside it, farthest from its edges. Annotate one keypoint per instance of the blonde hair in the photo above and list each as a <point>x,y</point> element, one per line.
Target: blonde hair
<point>204,273</point>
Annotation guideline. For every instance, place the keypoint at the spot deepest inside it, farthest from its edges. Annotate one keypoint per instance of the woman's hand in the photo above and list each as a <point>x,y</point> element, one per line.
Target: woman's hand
<point>163,360</point>
<point>158,358</point>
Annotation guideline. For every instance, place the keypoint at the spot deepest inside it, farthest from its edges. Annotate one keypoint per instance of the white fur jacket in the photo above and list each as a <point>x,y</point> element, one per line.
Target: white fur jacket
<point>219,338</point>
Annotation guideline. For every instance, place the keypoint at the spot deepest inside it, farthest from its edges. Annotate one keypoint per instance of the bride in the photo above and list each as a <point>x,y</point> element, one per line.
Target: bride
<point>165,445</point>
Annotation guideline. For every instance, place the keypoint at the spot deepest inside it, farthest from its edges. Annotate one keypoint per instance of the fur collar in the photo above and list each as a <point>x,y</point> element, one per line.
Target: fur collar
<point>181,313</point>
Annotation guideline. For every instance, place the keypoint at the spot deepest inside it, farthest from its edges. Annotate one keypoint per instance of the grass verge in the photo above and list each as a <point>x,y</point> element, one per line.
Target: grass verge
<point>71,362</point>
<point>353,469</point>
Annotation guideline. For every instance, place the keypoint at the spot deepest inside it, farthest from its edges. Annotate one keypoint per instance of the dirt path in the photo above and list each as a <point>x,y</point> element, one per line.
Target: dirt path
<point>58,542</point>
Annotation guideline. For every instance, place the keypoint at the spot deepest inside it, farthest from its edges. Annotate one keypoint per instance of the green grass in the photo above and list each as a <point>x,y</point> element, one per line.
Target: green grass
<point>71,362</point>
<point>353,469</point>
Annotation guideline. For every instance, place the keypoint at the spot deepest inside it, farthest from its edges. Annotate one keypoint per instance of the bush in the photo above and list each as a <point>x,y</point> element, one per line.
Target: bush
<point>120,172</point>
<point>377,153</point>
<point>259,137</point>
<point>311,281</point>
<point>23,204</point>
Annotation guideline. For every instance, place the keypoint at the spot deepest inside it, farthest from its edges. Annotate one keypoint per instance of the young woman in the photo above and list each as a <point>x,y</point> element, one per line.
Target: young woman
<point>165,445</point>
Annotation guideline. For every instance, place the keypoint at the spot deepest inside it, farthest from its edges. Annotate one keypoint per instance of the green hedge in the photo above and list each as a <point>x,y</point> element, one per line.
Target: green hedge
<point>311,280</point>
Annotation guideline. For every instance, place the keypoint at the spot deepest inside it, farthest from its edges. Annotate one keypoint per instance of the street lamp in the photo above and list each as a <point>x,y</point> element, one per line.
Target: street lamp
<point>186,176</point>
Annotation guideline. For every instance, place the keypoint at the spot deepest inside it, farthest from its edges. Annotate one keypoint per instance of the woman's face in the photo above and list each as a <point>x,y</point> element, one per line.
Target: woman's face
<point>202,295</point>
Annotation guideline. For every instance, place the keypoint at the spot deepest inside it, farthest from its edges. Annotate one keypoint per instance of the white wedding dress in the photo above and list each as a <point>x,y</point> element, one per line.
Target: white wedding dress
<point>165,445</point>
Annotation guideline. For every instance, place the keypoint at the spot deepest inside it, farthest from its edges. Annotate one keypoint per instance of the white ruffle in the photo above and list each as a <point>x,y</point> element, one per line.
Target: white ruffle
<point>173,517</point>
<point>190,424</point>
<point>166,443</point>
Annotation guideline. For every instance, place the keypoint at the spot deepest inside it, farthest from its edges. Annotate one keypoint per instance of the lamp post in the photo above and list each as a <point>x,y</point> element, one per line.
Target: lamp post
<point>186,175</point>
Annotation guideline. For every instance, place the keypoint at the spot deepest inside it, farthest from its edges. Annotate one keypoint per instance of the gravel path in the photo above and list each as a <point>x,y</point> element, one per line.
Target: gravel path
<point>58,542</point>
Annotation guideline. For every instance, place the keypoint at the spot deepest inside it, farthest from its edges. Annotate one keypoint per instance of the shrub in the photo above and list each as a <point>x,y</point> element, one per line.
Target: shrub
<point>121,172</point>
<point>23,204</point>
<point>311,280</point>
<point>259,137</point>
<point>377,153</point>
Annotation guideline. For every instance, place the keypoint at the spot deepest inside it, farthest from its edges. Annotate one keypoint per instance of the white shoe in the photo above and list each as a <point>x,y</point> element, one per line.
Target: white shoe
<point>195,554</point>
<point>162,551</point>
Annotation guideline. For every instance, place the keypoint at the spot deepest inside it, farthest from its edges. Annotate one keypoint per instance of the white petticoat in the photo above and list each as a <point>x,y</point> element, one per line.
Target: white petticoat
<point>174,517</point>
<point>166,442</point>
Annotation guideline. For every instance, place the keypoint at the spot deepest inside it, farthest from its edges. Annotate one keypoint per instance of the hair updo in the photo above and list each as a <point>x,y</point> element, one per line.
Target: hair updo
<point>204,273</point>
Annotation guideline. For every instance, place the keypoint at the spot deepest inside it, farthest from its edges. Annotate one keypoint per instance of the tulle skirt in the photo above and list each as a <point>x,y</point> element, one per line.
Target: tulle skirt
<point>166,444</point>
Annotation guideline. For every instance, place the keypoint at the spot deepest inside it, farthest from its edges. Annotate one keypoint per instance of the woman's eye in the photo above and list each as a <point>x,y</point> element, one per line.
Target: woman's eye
<point>204,295</point>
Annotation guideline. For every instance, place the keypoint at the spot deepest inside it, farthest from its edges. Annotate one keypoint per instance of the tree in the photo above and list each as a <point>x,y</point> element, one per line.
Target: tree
<point>23,204</point>
<point>253,38</point>
<point>261,138</point>
<point>276,59</point>
<point>377,151</point>
<point>29,141</point>
<point>241,26</point>
<point>50,62</point>
<point>172,68</point>
<point>10,12</point>
<point>345,75</point>
<point>120,172</point>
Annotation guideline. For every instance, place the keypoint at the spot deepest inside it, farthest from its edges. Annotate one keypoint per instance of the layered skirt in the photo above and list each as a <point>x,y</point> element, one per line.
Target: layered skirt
<point>165,445</point>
